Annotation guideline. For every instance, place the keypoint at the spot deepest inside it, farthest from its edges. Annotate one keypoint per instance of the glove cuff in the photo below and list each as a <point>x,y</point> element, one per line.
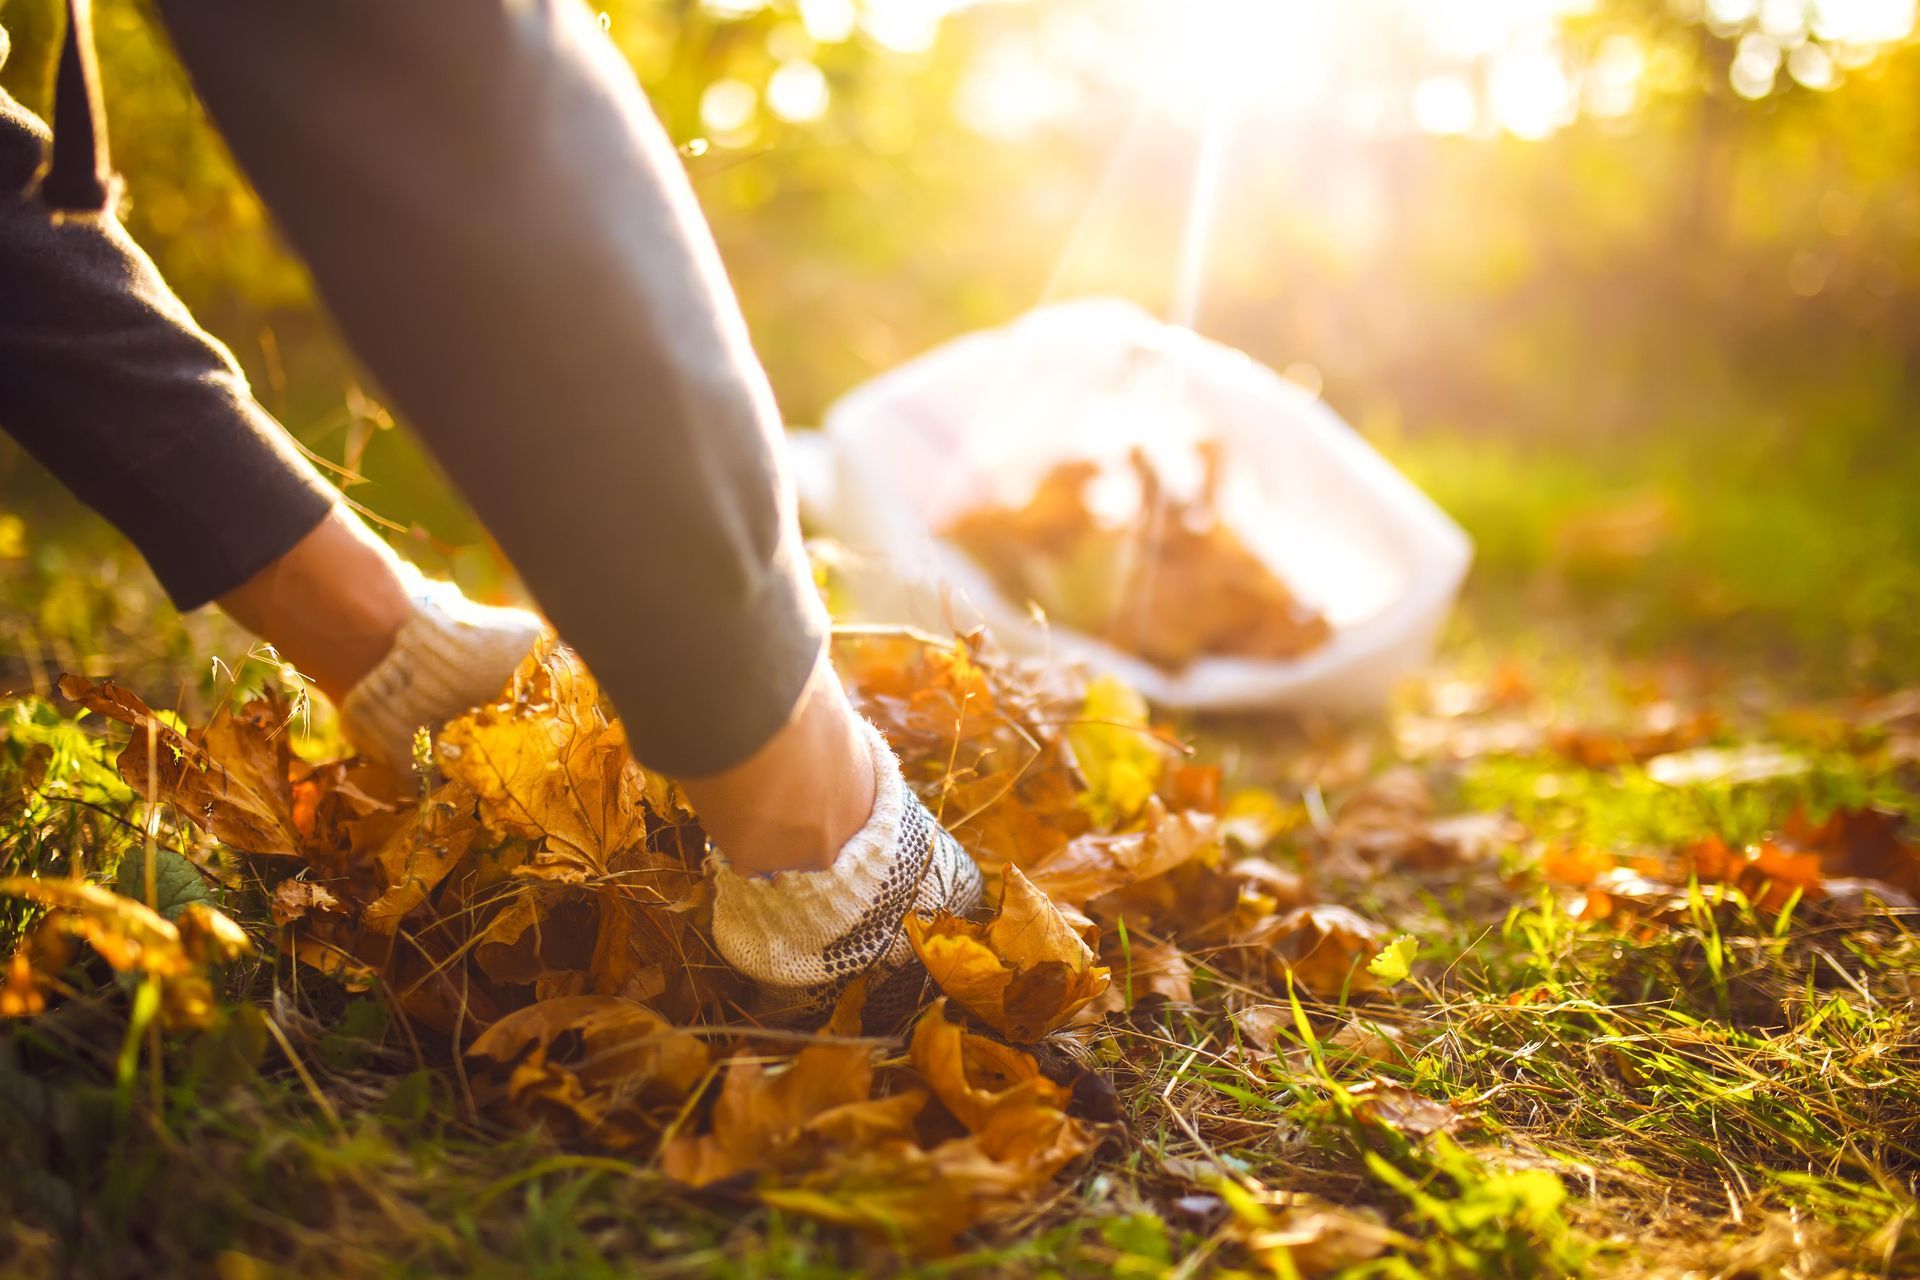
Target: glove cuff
<point>449,656</point>
<point>803,935</point>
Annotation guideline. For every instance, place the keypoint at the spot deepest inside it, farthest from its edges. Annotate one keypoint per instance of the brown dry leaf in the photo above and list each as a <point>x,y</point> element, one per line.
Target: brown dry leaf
<point>1862,844</point>
<point>1325,948</point>
<point>1173,589</point>
<point>1018,1137</point>
<point>980,738</point>
<point>975,1077</point>
<point>294,898</point>
<point>1152,969</point>
<point>1627,893</point>
<point>788,1118</point>
<point>333,799</point>
<point>590,1066</point>
<point>998,821</point>
<point>649,939</point>
<point>1397,1107</point>
<point>1392,821</point>
<point>334,961</point>
<point>1016,1115</point>
<point>1663,729</point>
<point>240,796</point>
<point>625,962</point>
<point>900,1194</point>
<point>413,861</point>
<point>1367,1040</point>
<point>1094,865</point>
<point>1262,1025</point>
<point>938,706</point>
<point>1279,888</point>
<point>1144,970</point>
<point>543,935</point>
<point>1024,973</point>
<point>1317,1238</point>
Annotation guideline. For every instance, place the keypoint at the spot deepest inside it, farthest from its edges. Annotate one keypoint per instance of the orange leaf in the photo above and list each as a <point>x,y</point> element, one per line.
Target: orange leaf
<point>1093,865</point>
<point>1766,873</point>
<point>20,994</point>
<point>1018,1139</point>
<point>229,779</point>
<point>772,1121</point>
<point>1324,948</point>
<point>590,1065</point>
<point>1865,844</point>
<point>1024,973</point>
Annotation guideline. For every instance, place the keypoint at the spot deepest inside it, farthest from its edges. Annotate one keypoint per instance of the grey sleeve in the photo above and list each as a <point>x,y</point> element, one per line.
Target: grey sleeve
<point>509,242</point>
<point>106,379</point>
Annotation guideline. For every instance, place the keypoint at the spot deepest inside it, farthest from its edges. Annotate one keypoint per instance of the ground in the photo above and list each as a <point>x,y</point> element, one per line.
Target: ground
<point>1643,824</point>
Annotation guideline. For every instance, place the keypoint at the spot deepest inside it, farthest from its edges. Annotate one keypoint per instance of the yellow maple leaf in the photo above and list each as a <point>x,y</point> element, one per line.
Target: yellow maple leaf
<point>1116,751</point>
<point>547,763</point>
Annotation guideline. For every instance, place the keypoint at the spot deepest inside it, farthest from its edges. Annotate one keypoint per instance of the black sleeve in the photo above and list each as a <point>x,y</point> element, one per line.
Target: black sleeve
<point>105,378</point>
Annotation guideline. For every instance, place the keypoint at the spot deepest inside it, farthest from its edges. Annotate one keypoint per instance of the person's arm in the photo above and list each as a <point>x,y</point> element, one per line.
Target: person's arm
<point>106,379</point>
<point>510,244</point>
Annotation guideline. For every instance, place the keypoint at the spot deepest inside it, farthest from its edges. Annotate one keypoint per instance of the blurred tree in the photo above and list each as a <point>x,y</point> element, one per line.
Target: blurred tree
<point>1604,228</point>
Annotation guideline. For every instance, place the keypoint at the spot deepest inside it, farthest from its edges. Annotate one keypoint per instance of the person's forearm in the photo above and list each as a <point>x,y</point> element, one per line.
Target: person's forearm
<point>509,242</point>
<point>105,378</point>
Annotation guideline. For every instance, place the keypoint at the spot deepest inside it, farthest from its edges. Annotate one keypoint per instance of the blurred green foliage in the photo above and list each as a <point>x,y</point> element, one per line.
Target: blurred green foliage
<point>1698,314</point>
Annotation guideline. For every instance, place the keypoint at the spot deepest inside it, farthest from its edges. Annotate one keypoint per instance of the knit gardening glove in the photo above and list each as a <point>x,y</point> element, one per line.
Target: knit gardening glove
<point>802,936</point>
<point>448,657</point>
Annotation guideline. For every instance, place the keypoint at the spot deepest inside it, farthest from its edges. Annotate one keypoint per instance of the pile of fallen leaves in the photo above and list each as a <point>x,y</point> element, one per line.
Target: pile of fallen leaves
<point>538,901</point>
<point>1173,584</point>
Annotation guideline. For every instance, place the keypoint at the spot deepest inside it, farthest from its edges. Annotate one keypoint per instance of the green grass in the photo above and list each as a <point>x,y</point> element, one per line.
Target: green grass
<point>1731,1093</point>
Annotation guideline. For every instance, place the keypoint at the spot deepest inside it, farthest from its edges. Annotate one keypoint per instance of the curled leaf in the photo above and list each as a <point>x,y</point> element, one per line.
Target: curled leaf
<point>1017,1138</point>
<point>1397,1107</point>
<point>229,779</point>
<point>20,993</point>
<point>294,898</point>
<point>129,935</point>
<point>133,938</point>
<point>1024,973</point>
<point>1321,947</point>
<point>1091,866</point>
